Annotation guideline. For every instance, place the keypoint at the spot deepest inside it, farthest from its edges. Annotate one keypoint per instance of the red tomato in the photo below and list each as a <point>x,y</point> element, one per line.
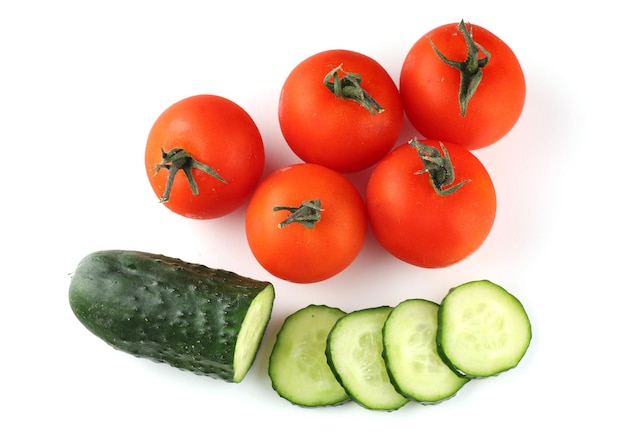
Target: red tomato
<point>305,223</point>
<point>430,203</point>
<point>204,156</point>
<point>340,109</point>
<point>434,92</point>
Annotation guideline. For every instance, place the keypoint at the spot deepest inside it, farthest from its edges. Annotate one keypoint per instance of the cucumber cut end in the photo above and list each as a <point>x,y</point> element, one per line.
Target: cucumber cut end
<point>252,331</point>
<point>483,329</point>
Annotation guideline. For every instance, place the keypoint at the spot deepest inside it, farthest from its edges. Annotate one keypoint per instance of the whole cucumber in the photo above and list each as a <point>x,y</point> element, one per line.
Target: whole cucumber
<point>195,318</point>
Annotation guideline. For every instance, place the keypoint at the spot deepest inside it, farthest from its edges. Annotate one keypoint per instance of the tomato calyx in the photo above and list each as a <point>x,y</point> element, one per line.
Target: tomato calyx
<point>179,159</point>
<point>349,87</point>
<point>439,167</point>
<point>471,68</point>
<point>307,214</point>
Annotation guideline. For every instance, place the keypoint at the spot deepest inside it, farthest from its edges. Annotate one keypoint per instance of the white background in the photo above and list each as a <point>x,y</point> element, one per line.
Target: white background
<point>81,84</point>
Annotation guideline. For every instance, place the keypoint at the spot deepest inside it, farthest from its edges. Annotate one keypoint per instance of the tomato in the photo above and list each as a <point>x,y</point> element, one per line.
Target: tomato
<point>305,223</point>
<point>474,108</point>
<point>204,156</point>
<point>430,203</point>
<point>340,109</point>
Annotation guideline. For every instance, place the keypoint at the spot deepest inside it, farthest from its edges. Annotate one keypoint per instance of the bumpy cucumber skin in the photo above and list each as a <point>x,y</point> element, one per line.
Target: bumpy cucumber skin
<point>164,309</point>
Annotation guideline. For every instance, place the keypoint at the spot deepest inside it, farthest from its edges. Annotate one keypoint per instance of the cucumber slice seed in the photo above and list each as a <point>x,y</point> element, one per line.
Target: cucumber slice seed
<point>483,329</point>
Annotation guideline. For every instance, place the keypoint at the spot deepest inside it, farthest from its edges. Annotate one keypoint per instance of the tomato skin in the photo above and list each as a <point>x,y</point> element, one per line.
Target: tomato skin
<point>294,252</point>
<point>335,132</point>
<point>216,132</point>
<point>421,227</point>
<point>430,89</point>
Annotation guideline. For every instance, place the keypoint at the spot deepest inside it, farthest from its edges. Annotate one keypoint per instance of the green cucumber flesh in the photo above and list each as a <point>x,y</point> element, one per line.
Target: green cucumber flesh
<point>195,318</point>
<point>298,367</point>
<point>410,352</point>
<point>354,352</point>
<point>483,329</point>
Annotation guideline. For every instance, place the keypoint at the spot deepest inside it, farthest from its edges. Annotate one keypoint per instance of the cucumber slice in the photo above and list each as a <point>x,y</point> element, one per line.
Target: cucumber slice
<point>483,329</point>
<point>297,365</point>
<point>354,351</point>
<point>410,351</point>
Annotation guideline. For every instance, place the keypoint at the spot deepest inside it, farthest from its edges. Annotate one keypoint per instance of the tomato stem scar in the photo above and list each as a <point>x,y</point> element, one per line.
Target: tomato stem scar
<point>178,159</point>
<point>349,87</point>
<point>439,167</point>
<point>307,214</point>
<point>471,68</point>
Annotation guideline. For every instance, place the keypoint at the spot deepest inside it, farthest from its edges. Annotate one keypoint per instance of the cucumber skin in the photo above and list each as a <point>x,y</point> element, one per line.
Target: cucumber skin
<point>163,309</point>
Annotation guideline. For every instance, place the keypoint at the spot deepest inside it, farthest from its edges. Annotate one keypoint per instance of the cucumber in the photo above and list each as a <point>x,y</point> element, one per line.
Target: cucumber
<point>483,329</point>
<point>410,352</point>
<point>192,317</point>
<point>354,352</point>
<point>297,366</point>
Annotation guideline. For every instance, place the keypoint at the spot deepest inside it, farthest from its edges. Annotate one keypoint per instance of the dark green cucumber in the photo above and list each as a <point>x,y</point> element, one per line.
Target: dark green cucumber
<point>195,318</point>
<point>298,367</point>
<point>483,329</point>
<point>410,352</point>
<point>355,354</point>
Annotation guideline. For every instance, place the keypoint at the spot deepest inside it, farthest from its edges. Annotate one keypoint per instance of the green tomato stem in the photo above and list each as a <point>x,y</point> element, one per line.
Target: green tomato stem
<point>471,68</point>
<point>349,87</point>
<point>307,214</point>
<point>439,167</point>
<point>179,159</point>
